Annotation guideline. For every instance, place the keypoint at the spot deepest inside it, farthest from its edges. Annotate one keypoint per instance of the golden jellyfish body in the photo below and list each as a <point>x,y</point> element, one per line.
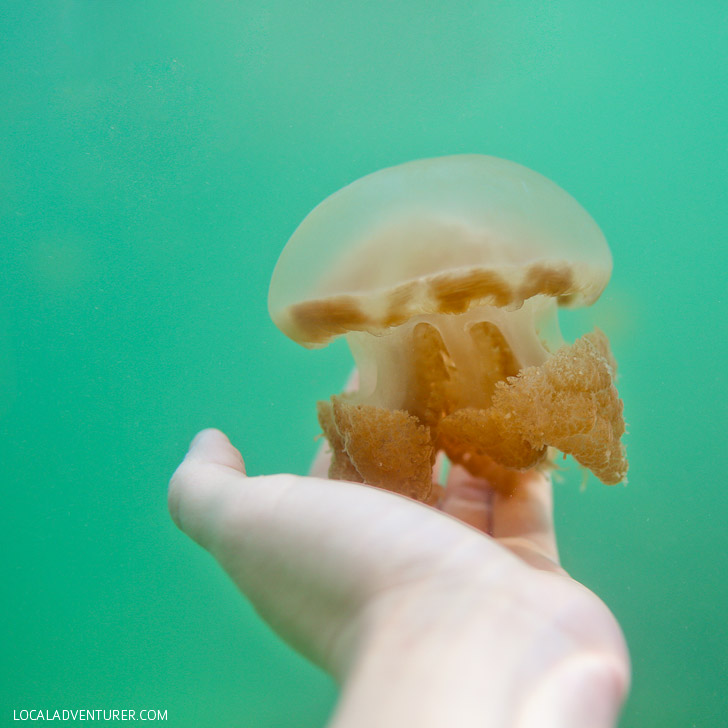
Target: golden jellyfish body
<point>446,275</point>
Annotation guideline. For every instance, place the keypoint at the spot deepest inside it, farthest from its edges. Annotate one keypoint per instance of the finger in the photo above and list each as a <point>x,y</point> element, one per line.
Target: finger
<point>471,498</point>
<point>523,519</point>
<point>322,460</point>
<point>526,511</point>
<point>468,499</point>
<point>213,446</point>
<point>211,471</point>
<point>514,507</point>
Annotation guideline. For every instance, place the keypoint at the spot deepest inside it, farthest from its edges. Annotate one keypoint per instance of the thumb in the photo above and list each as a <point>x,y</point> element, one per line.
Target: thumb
<point>203,484</point>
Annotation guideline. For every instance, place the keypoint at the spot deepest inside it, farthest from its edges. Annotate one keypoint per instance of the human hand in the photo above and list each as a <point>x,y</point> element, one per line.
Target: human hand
<point>455,618</point>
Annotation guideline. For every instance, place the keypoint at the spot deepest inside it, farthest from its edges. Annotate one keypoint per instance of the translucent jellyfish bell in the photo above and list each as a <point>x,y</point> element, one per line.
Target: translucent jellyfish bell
<point>445,275</point>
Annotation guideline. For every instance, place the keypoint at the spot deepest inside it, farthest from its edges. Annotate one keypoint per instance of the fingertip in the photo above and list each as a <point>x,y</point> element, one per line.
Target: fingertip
<point>213,446</point>
<point>200,485</point>
<point>207,438</point>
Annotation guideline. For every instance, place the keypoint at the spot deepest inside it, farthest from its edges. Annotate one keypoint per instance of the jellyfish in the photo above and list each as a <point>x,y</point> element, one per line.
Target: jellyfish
<point>445,275</point>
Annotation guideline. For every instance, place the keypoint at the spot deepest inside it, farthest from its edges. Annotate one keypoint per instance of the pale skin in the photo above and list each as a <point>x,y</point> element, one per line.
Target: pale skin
<point>456,615</point>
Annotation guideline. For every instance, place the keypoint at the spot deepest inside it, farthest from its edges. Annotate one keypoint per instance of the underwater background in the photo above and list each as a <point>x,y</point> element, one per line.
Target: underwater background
<point>155,157</point>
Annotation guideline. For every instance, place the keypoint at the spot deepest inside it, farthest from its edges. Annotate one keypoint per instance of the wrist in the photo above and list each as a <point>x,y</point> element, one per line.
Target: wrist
<point>475,655</point>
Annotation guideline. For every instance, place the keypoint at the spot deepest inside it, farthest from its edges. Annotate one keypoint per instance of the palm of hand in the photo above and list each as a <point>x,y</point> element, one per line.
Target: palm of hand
<point>346,573</point>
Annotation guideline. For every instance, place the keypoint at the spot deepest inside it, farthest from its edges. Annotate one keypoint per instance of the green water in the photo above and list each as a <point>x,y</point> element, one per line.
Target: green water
<point>154,158</point>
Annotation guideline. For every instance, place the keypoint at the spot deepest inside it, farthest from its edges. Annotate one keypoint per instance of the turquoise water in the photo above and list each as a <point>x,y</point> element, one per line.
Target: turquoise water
<point>155,157</point>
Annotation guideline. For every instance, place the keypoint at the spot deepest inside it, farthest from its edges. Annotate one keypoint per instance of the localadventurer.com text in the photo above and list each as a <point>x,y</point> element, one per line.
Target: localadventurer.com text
<point>89,714</point>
